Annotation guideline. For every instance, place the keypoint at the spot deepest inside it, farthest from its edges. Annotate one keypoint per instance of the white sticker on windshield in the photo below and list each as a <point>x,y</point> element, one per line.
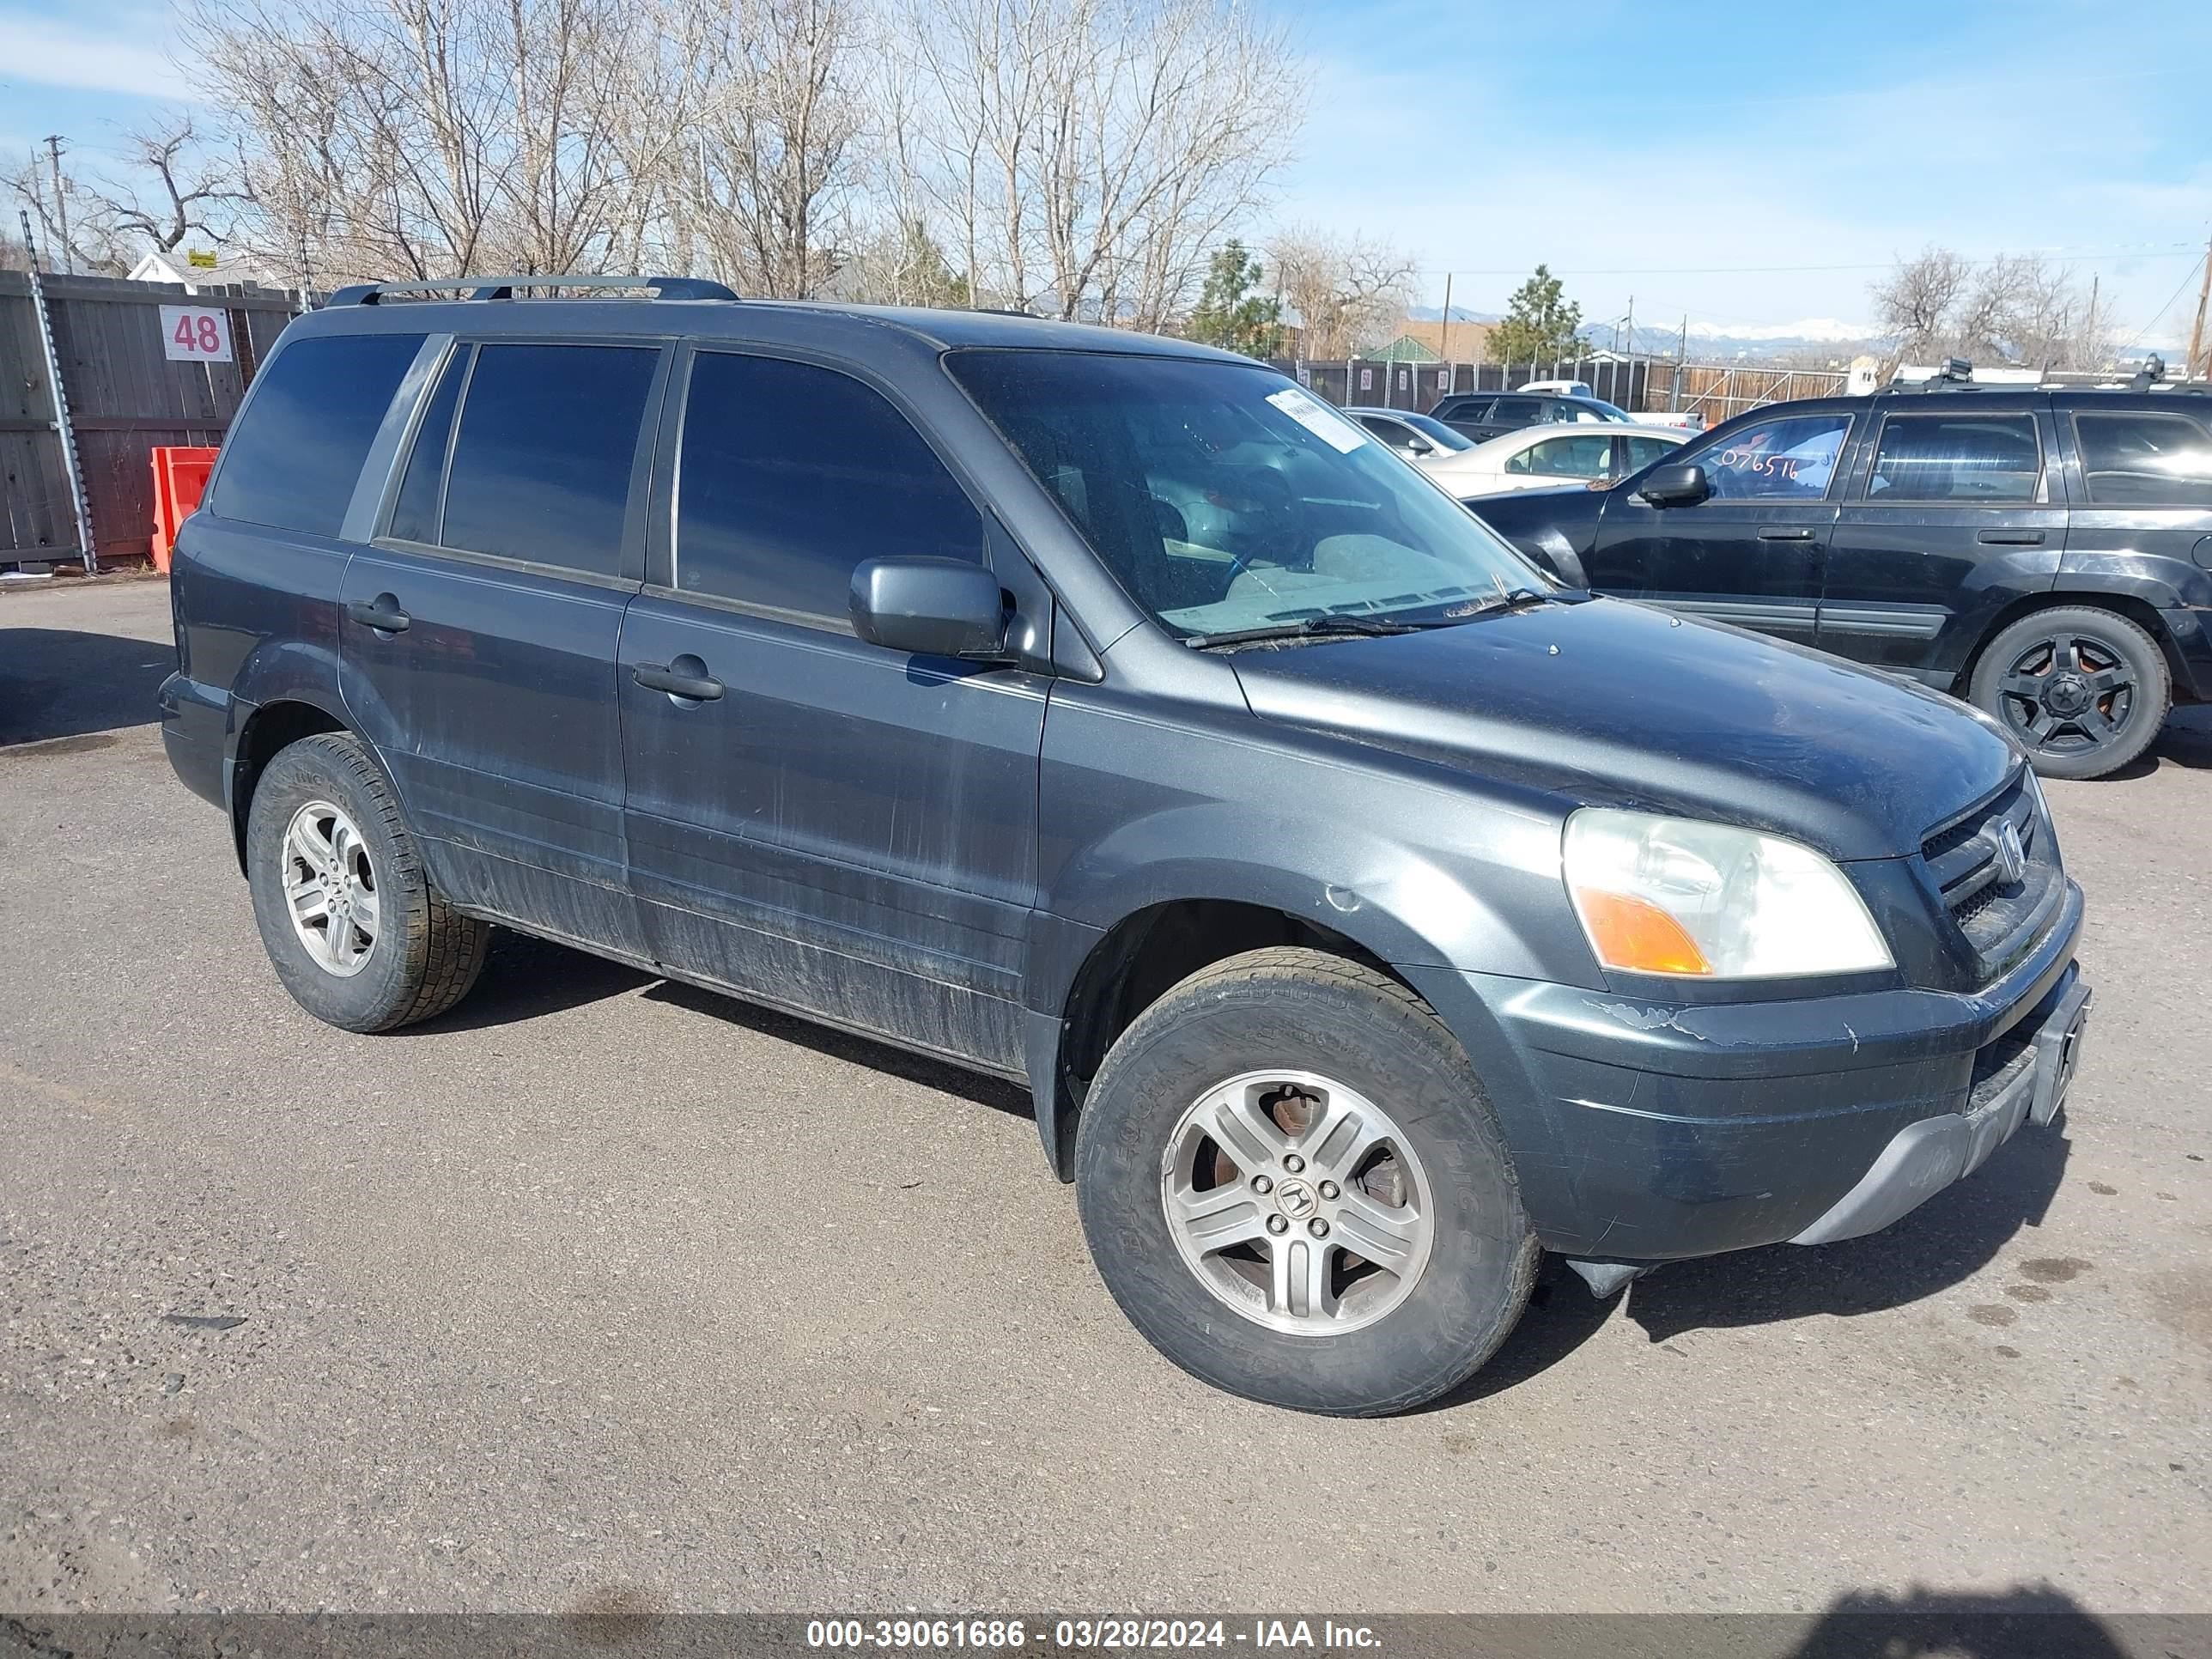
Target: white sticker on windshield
<point>1318,419</point>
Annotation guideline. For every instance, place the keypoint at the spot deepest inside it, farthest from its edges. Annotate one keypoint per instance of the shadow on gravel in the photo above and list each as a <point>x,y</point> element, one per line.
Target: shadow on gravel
<point>937,1074</point>
<point>59,683</point>
<point>1946,1241</point>
<point>2185,740</point>
<point>526,978</point>
<point>2030,1620</point>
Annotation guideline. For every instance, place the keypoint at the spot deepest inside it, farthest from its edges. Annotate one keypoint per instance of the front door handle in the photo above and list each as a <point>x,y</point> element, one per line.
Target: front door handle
<point>1776,533</point>
<point>382,613</point>
<point>2010,537</point>
<point>696,684</point>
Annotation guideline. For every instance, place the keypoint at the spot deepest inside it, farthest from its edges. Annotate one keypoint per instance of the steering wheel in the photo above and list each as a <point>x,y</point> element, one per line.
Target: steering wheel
<point>1263,498</point>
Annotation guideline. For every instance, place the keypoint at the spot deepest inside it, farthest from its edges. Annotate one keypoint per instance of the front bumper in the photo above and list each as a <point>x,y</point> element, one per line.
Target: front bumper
<point>1650,1133</point>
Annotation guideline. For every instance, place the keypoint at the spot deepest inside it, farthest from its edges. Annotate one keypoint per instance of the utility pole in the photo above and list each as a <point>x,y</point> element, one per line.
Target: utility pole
<point>2196,333</point>
<point>1443,340</point>
<point>68,259</point>
<point>1613,384</point>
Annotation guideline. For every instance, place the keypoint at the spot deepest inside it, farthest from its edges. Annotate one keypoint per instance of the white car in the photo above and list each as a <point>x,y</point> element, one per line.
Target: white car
<point>1425,441</point>
<point>1550,456</point>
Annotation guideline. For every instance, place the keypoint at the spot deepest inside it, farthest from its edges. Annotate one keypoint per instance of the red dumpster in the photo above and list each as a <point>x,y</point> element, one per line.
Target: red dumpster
<point>180,476</point>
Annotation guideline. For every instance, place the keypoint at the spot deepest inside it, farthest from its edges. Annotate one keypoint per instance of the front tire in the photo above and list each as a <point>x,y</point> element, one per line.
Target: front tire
<point>1292,1184</point>
<point>2084,690</point>
<point>346,913</point>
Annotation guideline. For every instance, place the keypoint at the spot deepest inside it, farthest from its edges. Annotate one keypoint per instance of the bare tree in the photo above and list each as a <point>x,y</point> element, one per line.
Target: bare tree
<point>64,202</point>
<point>1915,306</point>
<point>1350,293</point>
<point>426,138</point>
<point>772,141</point>
<point>2015,308</point>
<point>1082,157</point>
<point>170,187</point>
<point>162,186</point>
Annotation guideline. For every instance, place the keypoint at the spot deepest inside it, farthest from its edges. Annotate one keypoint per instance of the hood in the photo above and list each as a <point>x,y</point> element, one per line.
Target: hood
<point>1605,702</point>
<point>1554,527</point>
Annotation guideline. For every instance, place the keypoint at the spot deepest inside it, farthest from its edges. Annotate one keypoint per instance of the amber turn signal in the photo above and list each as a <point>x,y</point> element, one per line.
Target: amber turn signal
<point>1636,937</point>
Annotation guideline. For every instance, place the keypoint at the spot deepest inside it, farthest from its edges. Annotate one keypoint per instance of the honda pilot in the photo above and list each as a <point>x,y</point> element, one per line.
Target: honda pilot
<point>1366,911</point>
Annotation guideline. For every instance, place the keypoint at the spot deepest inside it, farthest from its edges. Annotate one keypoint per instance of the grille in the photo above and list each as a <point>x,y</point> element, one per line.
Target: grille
<point>1995,899</point>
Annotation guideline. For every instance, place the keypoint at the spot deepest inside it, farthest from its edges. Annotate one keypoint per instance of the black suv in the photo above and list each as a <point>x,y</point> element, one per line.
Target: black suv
<point>2047,555</point>
<point>1481,415</point>
<point>1364,912</point>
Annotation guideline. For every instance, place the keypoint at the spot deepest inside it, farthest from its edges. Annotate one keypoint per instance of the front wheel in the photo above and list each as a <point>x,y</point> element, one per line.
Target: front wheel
<point>1292,1185</point>
<point>2083,690</point>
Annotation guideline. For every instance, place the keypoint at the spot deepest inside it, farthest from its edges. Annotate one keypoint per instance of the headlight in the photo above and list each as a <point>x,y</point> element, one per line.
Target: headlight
<point>1674,895</point>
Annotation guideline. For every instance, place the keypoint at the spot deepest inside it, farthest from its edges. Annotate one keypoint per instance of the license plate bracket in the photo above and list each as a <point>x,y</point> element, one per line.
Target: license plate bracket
<point>2058,1054</point>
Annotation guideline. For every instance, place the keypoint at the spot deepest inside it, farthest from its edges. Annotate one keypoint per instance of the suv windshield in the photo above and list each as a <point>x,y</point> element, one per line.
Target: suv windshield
<point>1228,498</point>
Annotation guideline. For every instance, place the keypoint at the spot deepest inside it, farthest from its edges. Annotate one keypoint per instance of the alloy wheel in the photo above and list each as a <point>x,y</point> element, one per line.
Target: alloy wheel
<point>330,888</point>
<point>1297,1201</point>
<point>2068,694</point>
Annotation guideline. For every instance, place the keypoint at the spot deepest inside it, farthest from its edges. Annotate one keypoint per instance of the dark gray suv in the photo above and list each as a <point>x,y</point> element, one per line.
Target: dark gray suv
<point>1365,911</point>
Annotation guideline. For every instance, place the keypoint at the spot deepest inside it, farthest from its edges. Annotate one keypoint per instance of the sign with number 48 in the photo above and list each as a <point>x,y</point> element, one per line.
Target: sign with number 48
<point>193,335</point>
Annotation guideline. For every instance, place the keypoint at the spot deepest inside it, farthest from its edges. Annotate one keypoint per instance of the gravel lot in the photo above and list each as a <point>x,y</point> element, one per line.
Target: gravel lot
<point>603,1292</point>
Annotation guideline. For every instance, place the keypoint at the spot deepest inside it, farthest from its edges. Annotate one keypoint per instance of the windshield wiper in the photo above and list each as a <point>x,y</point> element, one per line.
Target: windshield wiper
<point>1329,624</point>
<point>1506,598</point>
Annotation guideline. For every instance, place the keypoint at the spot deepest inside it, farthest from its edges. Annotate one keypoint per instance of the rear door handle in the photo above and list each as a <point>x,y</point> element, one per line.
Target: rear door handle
<point>382,613</point>
<point>1775,533</point>
<point>2010,537</point>
<point>699,687</point>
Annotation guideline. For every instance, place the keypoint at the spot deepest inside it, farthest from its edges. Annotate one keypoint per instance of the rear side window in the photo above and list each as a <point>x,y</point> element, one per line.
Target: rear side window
<point>1576,457</point>
<point>1949,458</point>
<point>1642,452</point>
<point>791,475</point>
<point>1519,411</point>
<point>297,452</point>
<point>421,490</point>
<point>542,462</point>
<point>2145,460</point>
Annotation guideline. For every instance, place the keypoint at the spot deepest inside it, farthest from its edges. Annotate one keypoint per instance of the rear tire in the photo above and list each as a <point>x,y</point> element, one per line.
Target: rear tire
<point>346,914</point>
<point>2083,690</point>
<point>1311,1046</point>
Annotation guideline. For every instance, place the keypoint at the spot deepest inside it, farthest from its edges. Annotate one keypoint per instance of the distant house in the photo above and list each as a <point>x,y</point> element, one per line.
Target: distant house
<point>1465,342</point>
<point>194,270</point>
<point>1404,349</point>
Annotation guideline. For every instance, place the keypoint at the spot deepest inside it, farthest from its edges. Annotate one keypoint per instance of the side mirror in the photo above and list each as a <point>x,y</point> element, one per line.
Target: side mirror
<point>930,607</point>
<point>1420,446</point>
<point>1675,486</point>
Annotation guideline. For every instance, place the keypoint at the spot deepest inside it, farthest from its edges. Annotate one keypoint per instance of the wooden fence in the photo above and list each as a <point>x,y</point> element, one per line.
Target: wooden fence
<point>1719,391</point>
<point>1627,382</point>
<point>124,398</point>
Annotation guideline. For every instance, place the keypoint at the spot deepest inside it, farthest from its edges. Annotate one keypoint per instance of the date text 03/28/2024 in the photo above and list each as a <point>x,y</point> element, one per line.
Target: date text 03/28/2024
<point>1107,1634</point>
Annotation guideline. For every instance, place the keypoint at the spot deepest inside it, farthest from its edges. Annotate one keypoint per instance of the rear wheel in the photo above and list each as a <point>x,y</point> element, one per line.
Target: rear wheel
<point>346,914</point>
<point>1291,1183</point>
<point>2084,690</point>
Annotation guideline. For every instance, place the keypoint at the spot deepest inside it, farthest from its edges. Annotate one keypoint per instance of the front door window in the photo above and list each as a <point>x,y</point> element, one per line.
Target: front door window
<point>1790,458</point>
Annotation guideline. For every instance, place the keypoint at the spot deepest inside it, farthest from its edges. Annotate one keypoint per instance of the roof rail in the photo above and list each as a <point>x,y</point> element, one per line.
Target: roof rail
<point>1956,374</point>
<point>503,288</point>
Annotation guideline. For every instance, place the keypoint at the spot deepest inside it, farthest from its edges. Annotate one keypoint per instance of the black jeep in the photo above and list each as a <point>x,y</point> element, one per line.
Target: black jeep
<point>2042,553</point>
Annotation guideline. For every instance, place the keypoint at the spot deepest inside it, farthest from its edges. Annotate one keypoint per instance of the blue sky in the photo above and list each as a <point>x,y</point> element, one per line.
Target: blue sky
<point>1752,168</point>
